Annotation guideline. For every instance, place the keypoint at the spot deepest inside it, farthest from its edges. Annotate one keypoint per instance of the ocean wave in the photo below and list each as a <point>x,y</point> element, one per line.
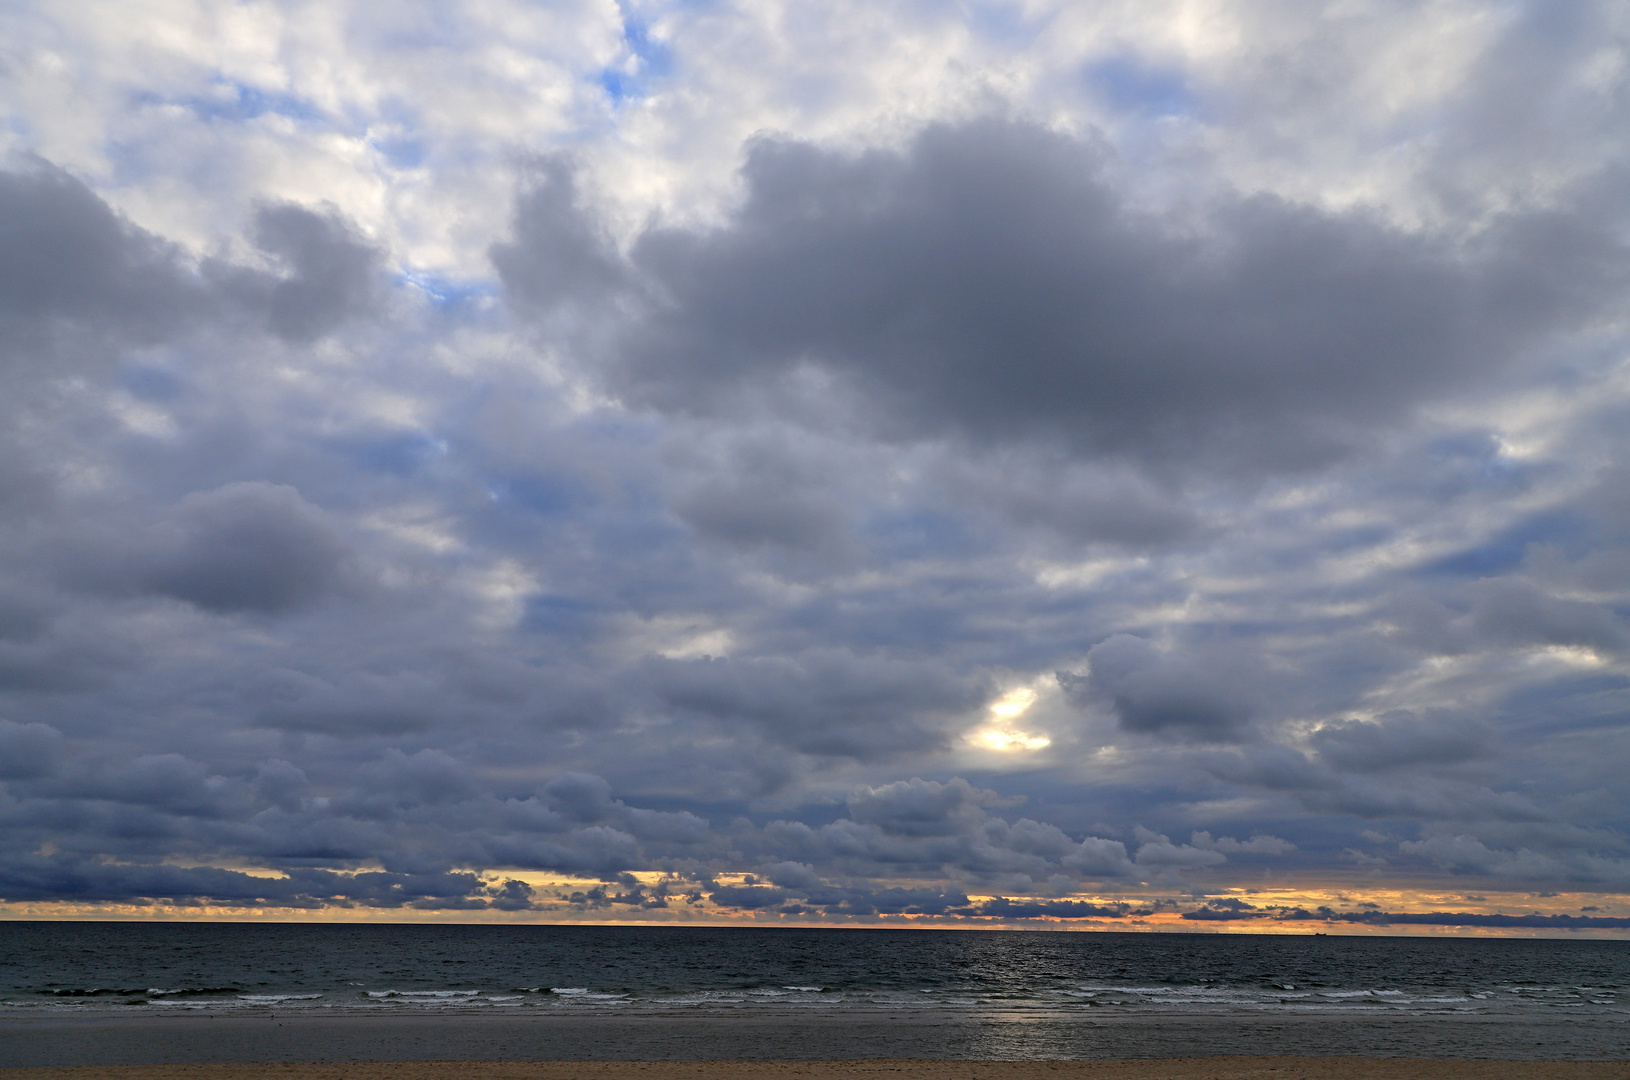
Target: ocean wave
<point>437,995</point>
<point>973,994</point>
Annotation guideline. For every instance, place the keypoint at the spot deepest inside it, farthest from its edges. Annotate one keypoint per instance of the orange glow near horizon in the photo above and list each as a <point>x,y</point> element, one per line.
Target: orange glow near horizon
<point>1165,918</point>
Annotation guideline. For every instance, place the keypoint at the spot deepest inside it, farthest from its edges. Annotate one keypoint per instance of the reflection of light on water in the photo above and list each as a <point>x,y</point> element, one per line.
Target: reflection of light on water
<point>1000,734</point>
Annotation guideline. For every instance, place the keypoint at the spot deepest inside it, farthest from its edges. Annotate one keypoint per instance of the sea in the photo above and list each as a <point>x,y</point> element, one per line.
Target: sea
<point>1495,997</point>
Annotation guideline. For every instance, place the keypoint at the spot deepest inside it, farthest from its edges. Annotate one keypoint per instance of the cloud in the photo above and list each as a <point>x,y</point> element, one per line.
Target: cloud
<point>605,464</point>
<point>71,263</point>
<point>558,253</point>
<point>333,275</point>
<point>765,497</point>
<point>1259,844</point>
<point>1220,911</point>
<point>1399,740</point>
<point>1515,611</point>
<point>826,701</point>
<point>74,267</point>
<point>1157,853</point>
<point>1155,693</point>
<point>919,807</point>
<point>1001,907</point>
<point>28,750</point>
<point>1467,854</point>
<point>941,828</point>
<point>34,878</point>
<point>248,547</point>
<point>990,279</point>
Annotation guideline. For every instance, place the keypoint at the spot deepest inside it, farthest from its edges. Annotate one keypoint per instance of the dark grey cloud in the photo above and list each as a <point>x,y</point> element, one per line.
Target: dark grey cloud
<point>1400,739</point>
<point>28,750</point>
<point>419,814</point>
<point>22,617</point>
<point>333,271</point>
<point>248,547</point>
<point>72,266</point>
<point>990,279</point>
<point>825,702</point>
<point>1511,611</point>
<point>761,496</point>
<point>1001,907</point>
<point>69,261</point>
<point>1208,698</point>
<point>1515,611</point>
<point>46,877</point>
<point>559,253</point>
<point>1075,507</point>
<point>955,830</point>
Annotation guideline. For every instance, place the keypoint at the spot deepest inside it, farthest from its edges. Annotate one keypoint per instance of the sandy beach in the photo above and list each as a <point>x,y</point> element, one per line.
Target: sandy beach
<point>1219,1068</point>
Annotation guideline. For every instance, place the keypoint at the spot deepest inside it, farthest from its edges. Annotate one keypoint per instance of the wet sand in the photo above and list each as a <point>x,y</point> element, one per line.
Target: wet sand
<point>1218,1068</point>
<point>611,1047</point>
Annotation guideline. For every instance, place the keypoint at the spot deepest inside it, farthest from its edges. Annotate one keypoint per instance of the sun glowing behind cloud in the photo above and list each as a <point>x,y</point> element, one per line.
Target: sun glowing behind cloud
<point>1001,732</point>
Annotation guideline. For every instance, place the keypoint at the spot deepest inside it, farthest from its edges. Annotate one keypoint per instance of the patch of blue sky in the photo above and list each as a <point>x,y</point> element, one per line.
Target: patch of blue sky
<point>920,534</point>
<point>399,455</point>
<point>647,59</point>
<point>393,133</point>
<point>152,384</point>
<point>133,163</point>
<point>1131,85</point>
<point>1457,465</point>
<point>445,292</point>
<point>236,101</point>
<point>402,152</point>
<point>1506,551</point>
<point>543,496</point>
<point>1480,450</point>
<point>655,57</point>
<point>1004,24</point>
<point>618,86</point>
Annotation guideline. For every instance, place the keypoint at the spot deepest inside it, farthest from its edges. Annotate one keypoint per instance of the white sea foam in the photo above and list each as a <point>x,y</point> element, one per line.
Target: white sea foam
<point>434,995</point>
<point>1361,993</point>
<point>578,996</point>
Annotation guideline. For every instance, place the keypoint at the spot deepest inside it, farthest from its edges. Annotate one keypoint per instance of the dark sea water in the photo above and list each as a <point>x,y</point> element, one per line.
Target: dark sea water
<point>331,969</point>
<point>123,993</point>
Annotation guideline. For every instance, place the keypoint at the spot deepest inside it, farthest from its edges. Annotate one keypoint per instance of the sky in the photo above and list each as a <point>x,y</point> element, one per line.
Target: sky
<point>1100,465</point>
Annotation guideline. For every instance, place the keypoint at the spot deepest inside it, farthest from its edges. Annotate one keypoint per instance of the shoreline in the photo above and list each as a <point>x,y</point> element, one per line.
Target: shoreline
<point>175,1041</point>
<point>1193,1068</point>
